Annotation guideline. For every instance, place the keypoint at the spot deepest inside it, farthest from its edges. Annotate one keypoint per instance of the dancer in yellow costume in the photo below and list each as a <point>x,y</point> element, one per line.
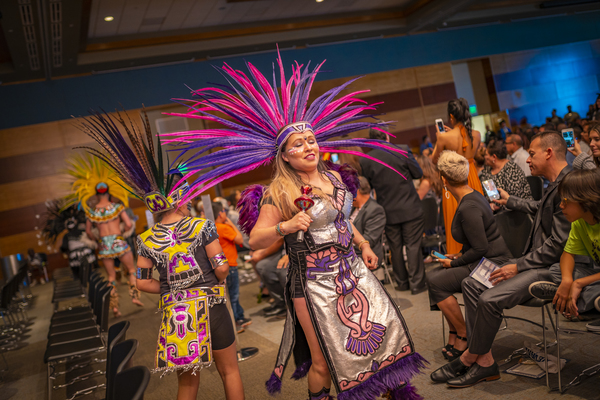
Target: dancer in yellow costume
<point>91,184</point>
<point>196,326</point>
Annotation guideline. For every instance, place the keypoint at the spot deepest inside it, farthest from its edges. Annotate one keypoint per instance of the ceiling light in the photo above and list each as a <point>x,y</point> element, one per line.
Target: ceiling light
<point>109,18</point>
<point>319,1</point>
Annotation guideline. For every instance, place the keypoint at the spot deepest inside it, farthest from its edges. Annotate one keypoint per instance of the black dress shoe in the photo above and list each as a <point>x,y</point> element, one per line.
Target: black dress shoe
<point>270,308</point>
<point>418,290</point>
<point>275,311</point>
<point>449,371</point>
<point>474,375</point>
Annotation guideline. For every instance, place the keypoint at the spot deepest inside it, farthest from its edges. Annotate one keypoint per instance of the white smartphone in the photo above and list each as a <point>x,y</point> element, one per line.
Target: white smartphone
<point>569,136</point>
<point>490,189</point>
<point>439,124</point>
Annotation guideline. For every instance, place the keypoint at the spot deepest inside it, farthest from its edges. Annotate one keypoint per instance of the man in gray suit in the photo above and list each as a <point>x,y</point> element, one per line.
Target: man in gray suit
<point>368,218</point>
<point>549,233</point>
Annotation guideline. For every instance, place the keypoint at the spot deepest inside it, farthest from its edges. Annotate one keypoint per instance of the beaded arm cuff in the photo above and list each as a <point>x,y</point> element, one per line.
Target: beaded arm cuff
<point>218,260</point>
<point>144,273</point>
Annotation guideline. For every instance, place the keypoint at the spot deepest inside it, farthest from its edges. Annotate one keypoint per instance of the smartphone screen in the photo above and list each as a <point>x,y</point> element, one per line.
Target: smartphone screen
<point>440,125</point>
<point>334,158</point>
<point>490,189</point>
<point>569,137</point>
<point>438,255</point>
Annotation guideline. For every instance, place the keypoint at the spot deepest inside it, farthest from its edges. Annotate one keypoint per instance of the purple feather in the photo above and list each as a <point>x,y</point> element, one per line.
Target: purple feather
<point>348,174</point>
<point>406,392</point>
<point>389,378</point>
<point>248,207</point>
<point>302,370</point>
<point>273,385</point>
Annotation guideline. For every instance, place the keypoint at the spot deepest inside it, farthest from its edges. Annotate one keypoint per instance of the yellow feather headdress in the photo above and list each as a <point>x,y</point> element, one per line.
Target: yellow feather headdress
<point>87,172</point>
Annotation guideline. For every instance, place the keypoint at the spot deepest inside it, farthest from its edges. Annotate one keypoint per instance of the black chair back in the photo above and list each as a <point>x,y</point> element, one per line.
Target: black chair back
<point>131,383</point>
<point>117,333</point>
<point>430,213</point>
<point>514,226</point>
<point>120,359</point>
<point>537,187</point>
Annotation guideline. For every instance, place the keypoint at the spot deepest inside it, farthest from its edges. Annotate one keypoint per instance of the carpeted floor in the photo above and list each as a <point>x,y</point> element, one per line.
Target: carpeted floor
<point>26,374</point>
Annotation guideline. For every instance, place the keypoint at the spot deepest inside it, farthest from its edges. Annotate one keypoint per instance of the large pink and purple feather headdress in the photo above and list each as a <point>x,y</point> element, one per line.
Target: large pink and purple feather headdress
<point>258,117</point>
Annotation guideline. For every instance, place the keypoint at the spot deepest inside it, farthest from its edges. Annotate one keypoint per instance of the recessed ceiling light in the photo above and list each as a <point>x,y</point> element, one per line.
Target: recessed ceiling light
<point>319,1</point>
<point>109,18</point>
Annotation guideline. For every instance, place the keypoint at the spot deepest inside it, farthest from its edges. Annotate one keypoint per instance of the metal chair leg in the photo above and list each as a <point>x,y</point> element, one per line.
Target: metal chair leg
<point>545,347</point>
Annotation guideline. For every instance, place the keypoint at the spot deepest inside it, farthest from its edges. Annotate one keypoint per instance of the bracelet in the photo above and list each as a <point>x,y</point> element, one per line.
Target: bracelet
<point>144,273</point>
<point>361,243</point>
<point>279,229</point>
<point>218,260</point>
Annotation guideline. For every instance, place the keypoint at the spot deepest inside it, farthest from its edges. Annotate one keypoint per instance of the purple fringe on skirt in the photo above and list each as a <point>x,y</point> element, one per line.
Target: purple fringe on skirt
<point>273,385</point>
<point>406,392</point>
<point>302,370</point>
<point>388,378</point>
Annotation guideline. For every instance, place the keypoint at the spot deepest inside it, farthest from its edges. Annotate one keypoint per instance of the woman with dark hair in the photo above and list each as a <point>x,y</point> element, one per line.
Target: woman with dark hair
<point>465,141</point>
<point>582,159</point>
<point>596,109</point>
<point>506,174</point>
<point>474,227</point>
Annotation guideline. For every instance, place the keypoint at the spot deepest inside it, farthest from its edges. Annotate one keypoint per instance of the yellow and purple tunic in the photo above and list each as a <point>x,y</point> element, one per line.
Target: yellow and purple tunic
<point>189,289</point>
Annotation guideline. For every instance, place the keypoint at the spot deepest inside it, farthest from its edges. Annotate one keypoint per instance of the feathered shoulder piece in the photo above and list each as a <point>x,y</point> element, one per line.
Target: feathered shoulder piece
<point>86,174</point>
<point>348,174</point>
<point>134,158</point>
<point>249,207</point>
<point>257,118</point>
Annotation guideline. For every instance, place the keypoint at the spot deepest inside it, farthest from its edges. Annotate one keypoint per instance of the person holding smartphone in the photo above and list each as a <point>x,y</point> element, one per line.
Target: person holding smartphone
<point>504,173</point>
<point>475,228</point>
<point>464,140</point>
<point>583,160</point>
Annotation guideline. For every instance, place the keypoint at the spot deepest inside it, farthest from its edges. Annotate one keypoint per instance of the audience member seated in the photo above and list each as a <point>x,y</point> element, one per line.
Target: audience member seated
<point>475,228</point>
<point>575,286</point>
<point>265,262</point>
<point>479,158</point>
<point>595,114</point>
<point>516,152</point>
<point>426,144</point>
<point>483,306</point>
<point>555,119</point>
<point>430,184</point>
<point>504,131</point>
<point>589,160</point>
<point>35,262</point>
<point>506,174</point>
<point>571,116</point>
<point>368,218</point>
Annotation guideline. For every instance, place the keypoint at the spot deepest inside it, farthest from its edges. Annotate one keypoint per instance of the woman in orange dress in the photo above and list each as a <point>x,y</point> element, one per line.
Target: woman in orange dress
<point>462,139</point>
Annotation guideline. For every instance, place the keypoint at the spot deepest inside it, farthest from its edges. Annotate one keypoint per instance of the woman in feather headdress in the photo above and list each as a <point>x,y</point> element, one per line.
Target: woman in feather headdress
<point>91,184</point>
<point>341,326</point>
<point>196,325</point>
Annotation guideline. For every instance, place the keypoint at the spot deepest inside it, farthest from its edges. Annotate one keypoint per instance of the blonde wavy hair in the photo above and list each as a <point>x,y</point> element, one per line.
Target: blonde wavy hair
<point>453,167</point>
<point>286,185</point>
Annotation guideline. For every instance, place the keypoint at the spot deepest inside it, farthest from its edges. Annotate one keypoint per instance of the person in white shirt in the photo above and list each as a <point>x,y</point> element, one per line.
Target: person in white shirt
<point>516,152</point>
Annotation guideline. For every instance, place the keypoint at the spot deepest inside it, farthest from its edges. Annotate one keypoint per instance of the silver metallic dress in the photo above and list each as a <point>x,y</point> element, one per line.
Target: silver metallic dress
<point>360,329</point>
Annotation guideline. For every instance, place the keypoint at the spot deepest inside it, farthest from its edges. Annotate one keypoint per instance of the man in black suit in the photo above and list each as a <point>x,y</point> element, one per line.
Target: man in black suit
<point>549,233</point>
<point>403,210</point>
<point>368,218</point>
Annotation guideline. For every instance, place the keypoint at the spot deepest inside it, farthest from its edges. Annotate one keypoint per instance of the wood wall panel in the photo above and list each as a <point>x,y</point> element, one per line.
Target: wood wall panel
<point>22,219</point>
<point>32,165</point>
<point>30,139</point>
<point>31,191</point>
<point>435,74</point>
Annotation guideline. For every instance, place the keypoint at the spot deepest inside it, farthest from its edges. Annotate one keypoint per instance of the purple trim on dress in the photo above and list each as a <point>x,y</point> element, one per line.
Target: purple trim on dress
<point>273,385</point>
<point>402,371</point>
<point>302,370</point>
<point>406,392</point>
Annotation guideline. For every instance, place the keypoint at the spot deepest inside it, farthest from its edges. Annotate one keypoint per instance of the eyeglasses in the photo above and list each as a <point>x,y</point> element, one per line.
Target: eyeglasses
<point>508,142</point>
